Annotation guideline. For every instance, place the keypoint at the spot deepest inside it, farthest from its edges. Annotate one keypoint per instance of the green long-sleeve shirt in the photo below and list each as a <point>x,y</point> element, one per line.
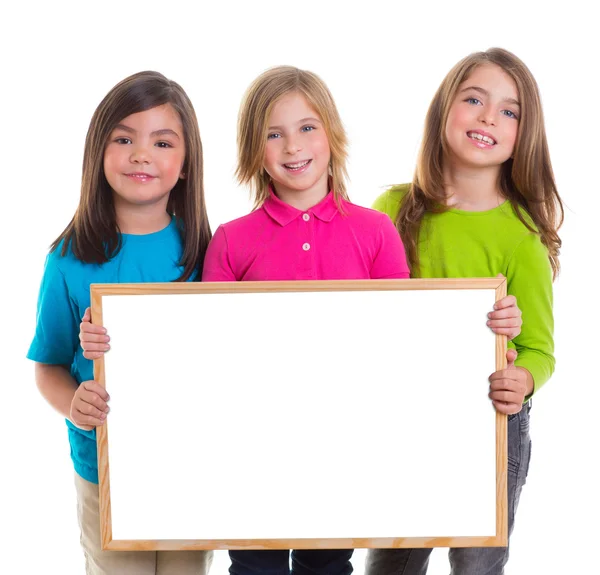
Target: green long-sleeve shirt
<point>457,244</point>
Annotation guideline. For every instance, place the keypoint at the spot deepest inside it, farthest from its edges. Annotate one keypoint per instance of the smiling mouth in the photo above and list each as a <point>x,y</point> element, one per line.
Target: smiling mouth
<point>480,138</point>
<point>140,176</point>
<point>297,166</point>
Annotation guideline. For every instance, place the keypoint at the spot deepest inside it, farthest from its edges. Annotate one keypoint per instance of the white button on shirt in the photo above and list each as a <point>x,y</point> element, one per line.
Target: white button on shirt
<point>306,247</point>
<point>305,217</point>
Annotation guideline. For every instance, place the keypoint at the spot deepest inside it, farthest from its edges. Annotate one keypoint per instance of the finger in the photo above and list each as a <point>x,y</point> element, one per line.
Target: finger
<point>81,419</point>
<point>509,322</point>
<point>87,327</point>
<point>507,408</point>
<point>100,348</point>
<point>507,301</point>
<point>504,387</point>
<point>511,356</point>
<point>88,402</point>
<point>91,410</point>
<point>506,396</point>
<point>95,387</point>
<point>87,315</point>
<point>86,338</point>
<point>507,376</point>
<point>506,312</point>
<point>93,354</point>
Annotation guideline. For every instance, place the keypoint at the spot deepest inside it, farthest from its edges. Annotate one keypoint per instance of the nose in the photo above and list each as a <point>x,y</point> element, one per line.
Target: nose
<point>292,145</point>
<point>487,115</point>
<point>140,154</point>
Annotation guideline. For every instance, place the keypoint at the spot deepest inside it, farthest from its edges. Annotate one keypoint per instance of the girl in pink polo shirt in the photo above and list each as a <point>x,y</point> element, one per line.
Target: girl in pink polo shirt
<point>292,151</point>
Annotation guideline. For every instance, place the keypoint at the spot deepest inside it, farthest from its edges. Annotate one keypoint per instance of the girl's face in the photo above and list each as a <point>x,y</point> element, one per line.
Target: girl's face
<point>144,156</point>
<point>297,152</point>
<point>482,125</point>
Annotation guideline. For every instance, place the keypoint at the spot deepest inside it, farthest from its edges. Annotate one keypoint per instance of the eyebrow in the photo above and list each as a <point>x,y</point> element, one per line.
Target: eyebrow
<point>486,93</point>
<point>310,119</point>
<point>163,132</point>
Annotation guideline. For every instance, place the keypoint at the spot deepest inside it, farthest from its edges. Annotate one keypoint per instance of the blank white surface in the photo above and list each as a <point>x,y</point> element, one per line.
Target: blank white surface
<point>237,416</point>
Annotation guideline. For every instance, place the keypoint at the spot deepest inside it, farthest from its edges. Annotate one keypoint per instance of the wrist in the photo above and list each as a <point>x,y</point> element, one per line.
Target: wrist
<point>529,383</point>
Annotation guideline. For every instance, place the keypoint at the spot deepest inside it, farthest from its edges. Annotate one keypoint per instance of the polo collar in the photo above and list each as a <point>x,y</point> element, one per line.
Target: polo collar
<point>283,213</point>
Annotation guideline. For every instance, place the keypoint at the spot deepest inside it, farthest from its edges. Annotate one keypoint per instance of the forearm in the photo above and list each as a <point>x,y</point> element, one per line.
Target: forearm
<point>57,386</point>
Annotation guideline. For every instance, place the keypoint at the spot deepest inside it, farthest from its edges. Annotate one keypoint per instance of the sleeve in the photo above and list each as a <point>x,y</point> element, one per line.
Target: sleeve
<point>529,277</point>
<point>390,261</point>
<point>57,323</point>
<point>217,266</point>
<point>381,203</point>
<point>390,201</point>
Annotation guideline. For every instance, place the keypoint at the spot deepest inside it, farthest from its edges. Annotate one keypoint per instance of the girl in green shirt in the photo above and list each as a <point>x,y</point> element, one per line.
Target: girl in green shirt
<point>483,201</point>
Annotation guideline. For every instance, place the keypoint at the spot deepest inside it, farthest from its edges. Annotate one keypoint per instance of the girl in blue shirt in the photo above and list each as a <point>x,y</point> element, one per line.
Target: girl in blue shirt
<point>141,218</point>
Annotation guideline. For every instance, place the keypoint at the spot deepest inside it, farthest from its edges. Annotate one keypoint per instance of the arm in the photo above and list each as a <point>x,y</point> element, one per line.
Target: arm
<point>84,405</point>
<point>54,347</point>
<point>56,386</point>
<point>530,280</point>
<point>217,265</point>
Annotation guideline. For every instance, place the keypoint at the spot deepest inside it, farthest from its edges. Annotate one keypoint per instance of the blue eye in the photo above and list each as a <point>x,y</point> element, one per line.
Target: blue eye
<point>308,128</point>
<point>510,114</point>
<point>473,101</point>
<point>272,136</point>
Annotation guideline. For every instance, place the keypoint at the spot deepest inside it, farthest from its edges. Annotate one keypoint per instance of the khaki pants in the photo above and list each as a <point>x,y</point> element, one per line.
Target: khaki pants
<point>98,562</point>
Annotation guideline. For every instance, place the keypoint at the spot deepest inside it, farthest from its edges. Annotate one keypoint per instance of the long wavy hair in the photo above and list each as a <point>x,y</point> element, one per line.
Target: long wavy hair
<point>93,234</point>
<point>526,179</point>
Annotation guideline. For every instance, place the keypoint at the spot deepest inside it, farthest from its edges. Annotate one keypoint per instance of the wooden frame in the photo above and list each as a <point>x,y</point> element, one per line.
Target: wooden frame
<point>499,539</point>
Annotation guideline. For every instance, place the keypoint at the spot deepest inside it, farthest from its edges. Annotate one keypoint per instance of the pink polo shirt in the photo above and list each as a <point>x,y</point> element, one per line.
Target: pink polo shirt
<point>278,242</point>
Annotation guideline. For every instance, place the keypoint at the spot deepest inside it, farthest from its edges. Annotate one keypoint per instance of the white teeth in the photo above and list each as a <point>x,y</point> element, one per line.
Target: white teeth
<point>479,137</point>
<point>296,166</point>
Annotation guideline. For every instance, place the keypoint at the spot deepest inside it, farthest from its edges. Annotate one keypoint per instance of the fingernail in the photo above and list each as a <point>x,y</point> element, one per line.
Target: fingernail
<point>107,338</point>
<point>490,314</point>
<point>102,415</point>
<point>106,347</point>
<point>488,322</point>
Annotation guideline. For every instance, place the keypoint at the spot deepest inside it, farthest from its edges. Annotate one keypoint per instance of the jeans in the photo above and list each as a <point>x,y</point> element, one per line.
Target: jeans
<point>304,562</point>
<point>468,560</point>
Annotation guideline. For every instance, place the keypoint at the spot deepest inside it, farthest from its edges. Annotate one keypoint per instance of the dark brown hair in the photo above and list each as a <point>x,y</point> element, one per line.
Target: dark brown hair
<point>93,234</point>
<point>526,179</point>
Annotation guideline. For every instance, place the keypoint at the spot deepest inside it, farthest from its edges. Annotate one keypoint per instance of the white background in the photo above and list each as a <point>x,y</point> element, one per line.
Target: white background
<point>382,62</point>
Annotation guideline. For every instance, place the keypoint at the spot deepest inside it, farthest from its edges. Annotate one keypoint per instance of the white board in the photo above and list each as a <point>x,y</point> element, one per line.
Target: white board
<point>339,414</point>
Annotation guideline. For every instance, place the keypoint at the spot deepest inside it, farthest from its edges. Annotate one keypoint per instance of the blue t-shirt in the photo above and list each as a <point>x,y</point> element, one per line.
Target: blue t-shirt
<point>64,296</point>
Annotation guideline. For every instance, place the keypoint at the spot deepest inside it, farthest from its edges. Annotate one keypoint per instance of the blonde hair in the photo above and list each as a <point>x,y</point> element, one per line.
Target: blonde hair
<point>526,179</point>
<point>255,110</point>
